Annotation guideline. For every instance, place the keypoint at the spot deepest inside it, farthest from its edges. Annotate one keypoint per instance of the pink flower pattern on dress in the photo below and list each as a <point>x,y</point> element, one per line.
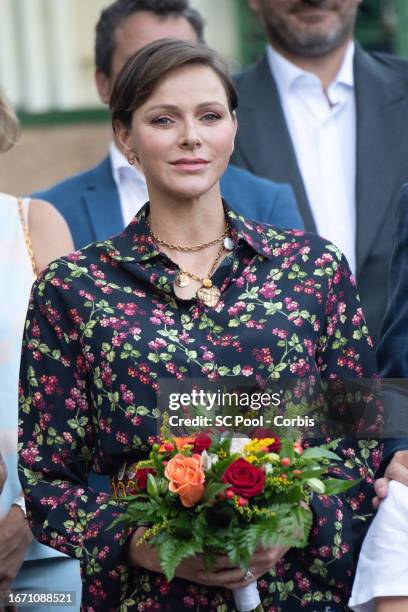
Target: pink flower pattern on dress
<point>104,325</point>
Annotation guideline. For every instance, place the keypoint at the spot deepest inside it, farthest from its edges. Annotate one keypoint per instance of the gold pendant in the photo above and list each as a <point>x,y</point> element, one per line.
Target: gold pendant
<point>207,282</point>
<point>182,279</point>
<point>209,296</point>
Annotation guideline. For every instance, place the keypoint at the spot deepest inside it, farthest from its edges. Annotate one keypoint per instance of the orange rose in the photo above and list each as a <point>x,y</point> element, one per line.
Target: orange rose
<point>186,477</point>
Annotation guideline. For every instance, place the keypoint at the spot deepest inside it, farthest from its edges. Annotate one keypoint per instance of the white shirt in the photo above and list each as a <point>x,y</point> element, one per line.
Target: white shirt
<point>130,182</point>
<point>382,569</point>
<point>16,278</point>
<point>323,133</point>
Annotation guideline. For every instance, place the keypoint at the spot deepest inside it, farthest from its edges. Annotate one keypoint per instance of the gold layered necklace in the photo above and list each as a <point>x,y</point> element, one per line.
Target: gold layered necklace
<point>208,292</point>
<point>189,249</point>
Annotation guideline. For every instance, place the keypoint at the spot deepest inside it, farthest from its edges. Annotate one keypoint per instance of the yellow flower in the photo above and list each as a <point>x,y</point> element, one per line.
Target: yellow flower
<point>257,445</point>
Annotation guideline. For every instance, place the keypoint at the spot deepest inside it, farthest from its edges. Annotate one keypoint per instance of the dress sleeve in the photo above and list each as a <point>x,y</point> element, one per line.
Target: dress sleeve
<point>56,446</point>
<point>345,348</point>
<point>344,352</point>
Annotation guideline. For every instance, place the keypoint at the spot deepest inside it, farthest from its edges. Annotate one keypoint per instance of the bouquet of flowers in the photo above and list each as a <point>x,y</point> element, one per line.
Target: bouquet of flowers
<point>202,495</point>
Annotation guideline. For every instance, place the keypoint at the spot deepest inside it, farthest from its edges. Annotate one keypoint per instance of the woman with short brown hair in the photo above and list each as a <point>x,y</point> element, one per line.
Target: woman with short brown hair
<point>189,289</point>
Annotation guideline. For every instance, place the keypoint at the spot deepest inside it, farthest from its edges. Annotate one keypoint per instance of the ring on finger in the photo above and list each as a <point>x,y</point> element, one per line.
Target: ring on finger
<point>248,575</point>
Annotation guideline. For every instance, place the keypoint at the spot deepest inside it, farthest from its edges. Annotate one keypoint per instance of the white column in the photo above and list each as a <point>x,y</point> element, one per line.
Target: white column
<point>86,15</point>
<point>62,50</point>
<point>9,75</point>
<point>221,32</point>
<point>31,34</point>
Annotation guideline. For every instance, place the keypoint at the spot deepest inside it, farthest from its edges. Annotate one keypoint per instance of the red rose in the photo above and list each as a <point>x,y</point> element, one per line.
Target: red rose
<point>276,446</point>
<point>246,479</point>
<point>141,477</point>
<point>202,442</point>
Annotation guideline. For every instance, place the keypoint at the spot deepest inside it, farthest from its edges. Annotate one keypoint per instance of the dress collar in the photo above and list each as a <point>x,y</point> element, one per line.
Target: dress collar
<point>136,244</point>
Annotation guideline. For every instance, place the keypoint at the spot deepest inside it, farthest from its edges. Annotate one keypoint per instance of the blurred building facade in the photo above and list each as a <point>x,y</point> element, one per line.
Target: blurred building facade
<point>47,72</point>
<point>47,56</point>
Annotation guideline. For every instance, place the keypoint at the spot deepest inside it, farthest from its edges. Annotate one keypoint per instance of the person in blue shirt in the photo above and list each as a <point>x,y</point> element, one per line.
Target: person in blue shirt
<point>100,202</point>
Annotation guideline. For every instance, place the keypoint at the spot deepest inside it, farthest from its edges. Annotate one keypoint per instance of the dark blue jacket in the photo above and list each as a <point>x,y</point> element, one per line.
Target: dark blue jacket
<point>393,347</point>
<point>90,204</point>
<point>392,352</point>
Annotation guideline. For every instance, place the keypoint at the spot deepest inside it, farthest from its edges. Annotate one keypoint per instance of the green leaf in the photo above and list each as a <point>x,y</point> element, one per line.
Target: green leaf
<point>233,323</point>
<point>272,308</point>
<point>172,552</point>
<point>142,410</point>
<point>316,485</point>
<point>223,371</point>
<point>211,491</point>
<point>287,449</point>
<point>241,547</point>
<point>313,473</point>
<point>182,525</point>
<point>334,486</point>
<point>152,488</point>
<point>318,452</point>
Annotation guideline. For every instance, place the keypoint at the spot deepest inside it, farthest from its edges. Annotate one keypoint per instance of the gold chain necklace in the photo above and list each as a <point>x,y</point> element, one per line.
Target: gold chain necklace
<point>208,293</point>
<point>189,249</point>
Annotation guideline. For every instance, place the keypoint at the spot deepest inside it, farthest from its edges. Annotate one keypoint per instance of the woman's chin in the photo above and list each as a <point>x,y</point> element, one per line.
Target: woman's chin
<point>189,189</point>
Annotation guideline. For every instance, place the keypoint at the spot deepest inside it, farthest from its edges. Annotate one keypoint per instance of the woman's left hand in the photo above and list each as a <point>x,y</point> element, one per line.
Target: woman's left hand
<point>15,536</point>
<point>233,578</point>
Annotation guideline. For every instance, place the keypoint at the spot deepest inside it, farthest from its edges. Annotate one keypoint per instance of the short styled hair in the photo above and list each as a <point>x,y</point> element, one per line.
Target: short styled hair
<point>115,14</point>
<point>147,68</point>
<point>9,126</point>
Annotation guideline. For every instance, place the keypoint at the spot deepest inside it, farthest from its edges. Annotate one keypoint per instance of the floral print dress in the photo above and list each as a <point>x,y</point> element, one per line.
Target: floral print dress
<point>104,325</point>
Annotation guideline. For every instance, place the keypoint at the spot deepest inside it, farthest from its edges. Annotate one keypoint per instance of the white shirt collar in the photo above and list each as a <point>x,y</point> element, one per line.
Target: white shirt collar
<point>286,73</point>
<point>120,163</point>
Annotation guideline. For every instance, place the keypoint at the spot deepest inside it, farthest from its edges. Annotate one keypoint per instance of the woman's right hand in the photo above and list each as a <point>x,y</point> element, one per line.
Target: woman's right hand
<point>192,569</point>
<point>3,473</point>
<point>143,555</point>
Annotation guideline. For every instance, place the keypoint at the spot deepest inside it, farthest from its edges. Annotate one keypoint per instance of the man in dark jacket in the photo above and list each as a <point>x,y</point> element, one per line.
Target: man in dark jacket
<point>320,113</point>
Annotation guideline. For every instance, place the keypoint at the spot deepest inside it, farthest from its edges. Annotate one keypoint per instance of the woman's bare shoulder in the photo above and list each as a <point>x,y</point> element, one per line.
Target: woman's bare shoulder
<point>49,232</point>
